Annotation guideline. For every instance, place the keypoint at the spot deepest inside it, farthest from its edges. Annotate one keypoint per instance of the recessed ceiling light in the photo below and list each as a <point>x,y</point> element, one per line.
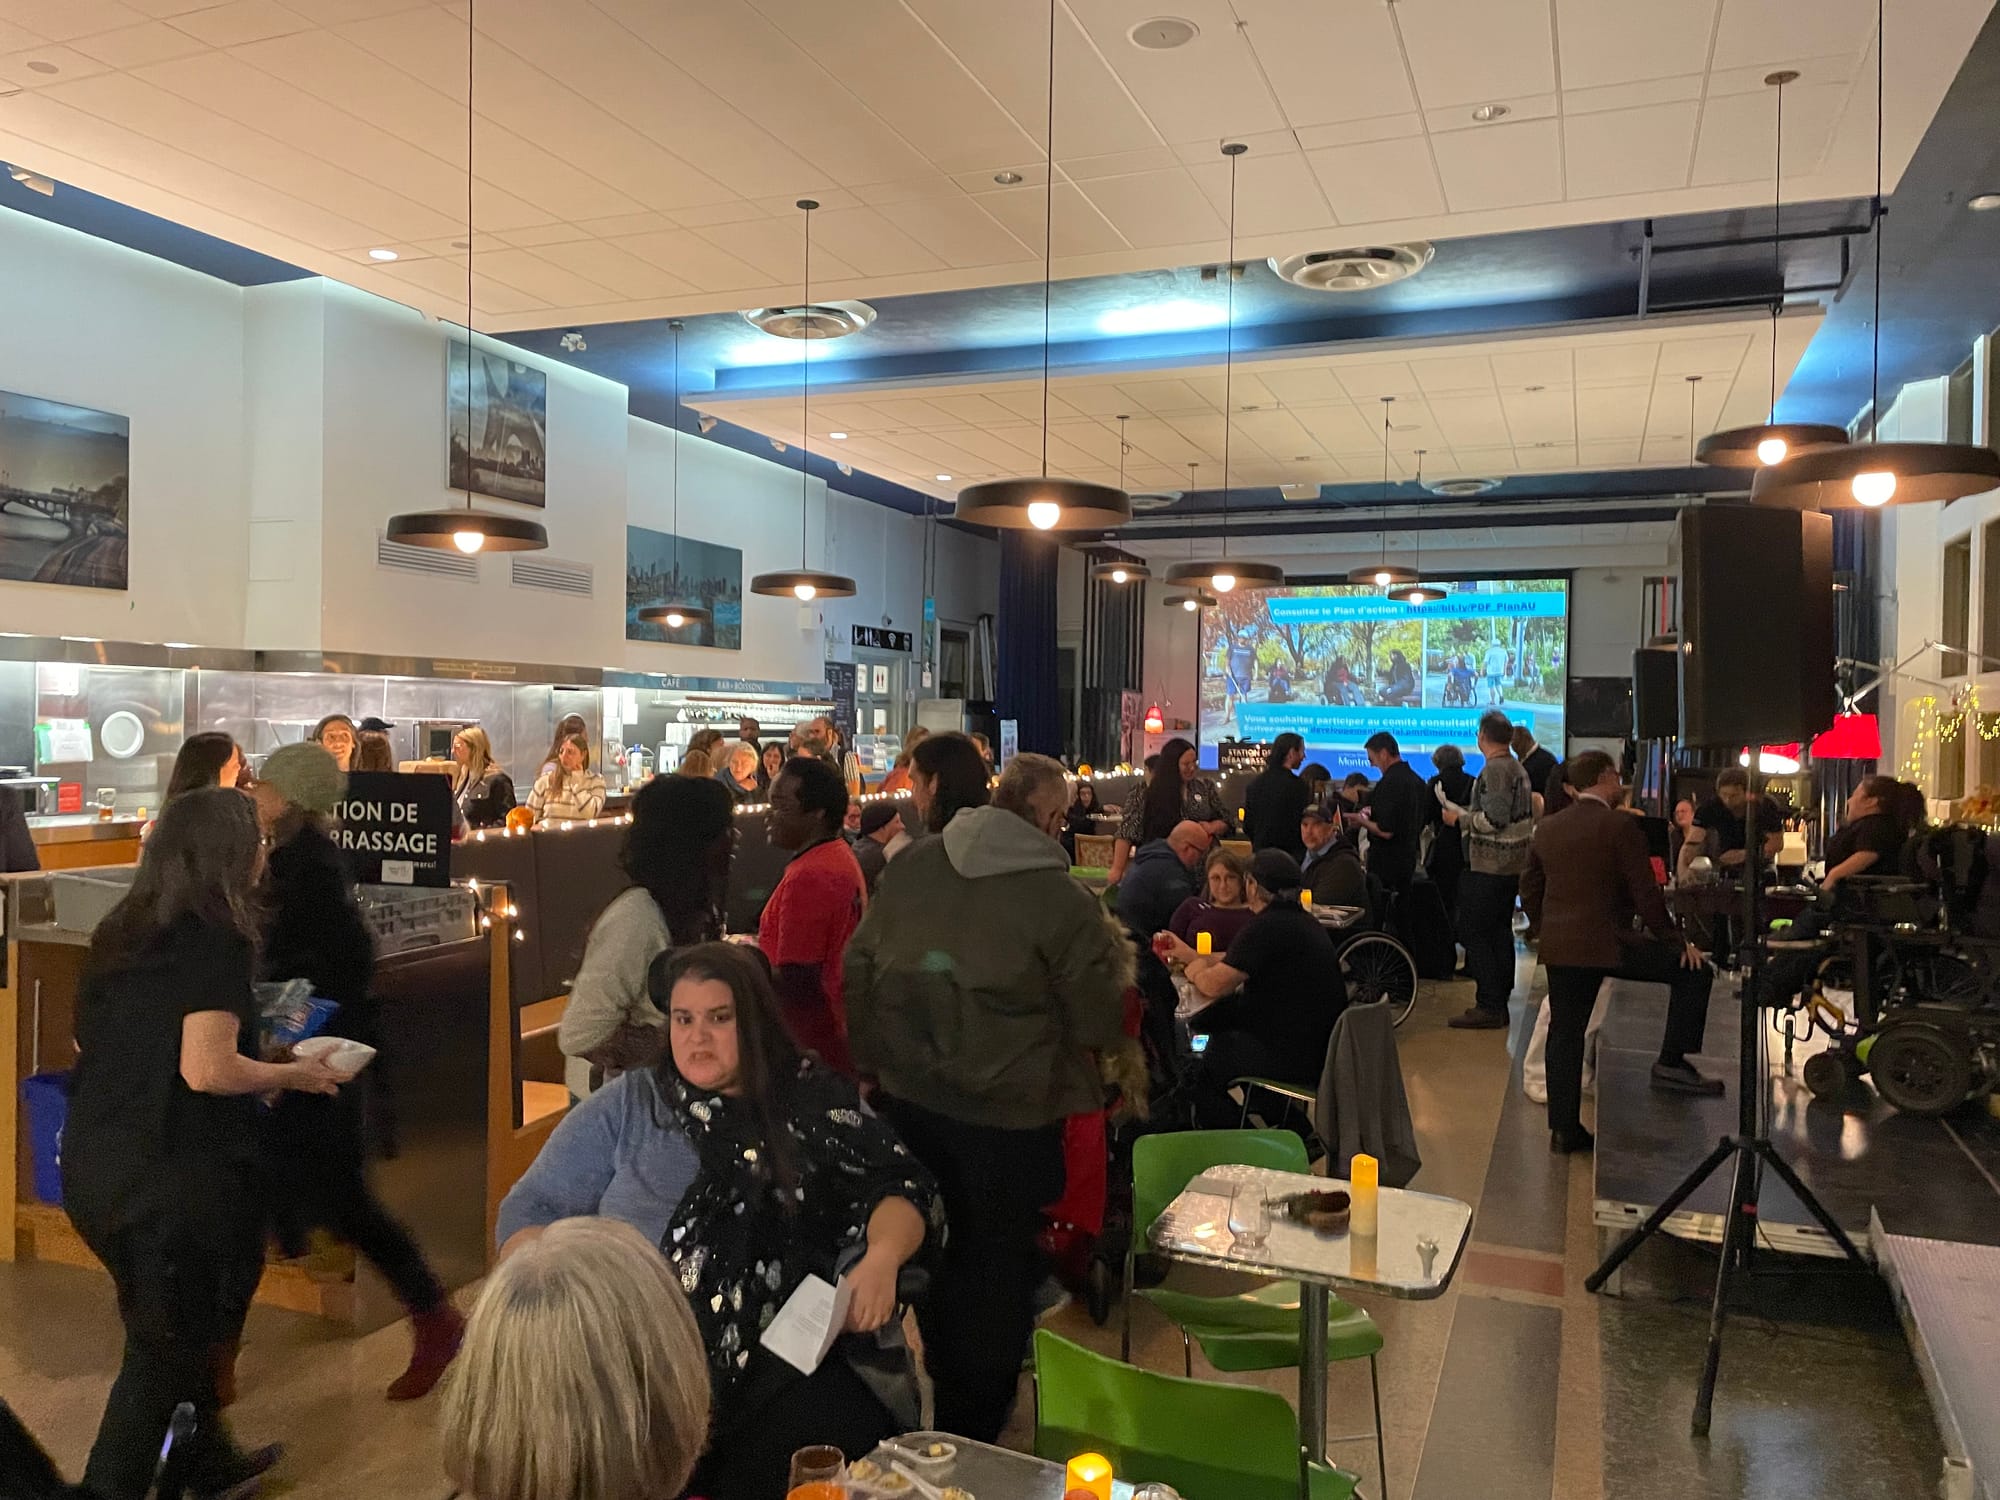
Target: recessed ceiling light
<point>1175,315</point>
<point>944,479</point>
<point>38,66</point>
<point>838,437</point>
<point>380,254</point>
<point>1006,179</point>
<point>1486,114</point>
<point>1983,202</point>
<point>1163,34</point>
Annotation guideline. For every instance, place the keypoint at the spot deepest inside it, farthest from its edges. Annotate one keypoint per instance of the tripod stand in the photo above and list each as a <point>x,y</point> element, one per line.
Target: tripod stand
<point>1748,1151</point>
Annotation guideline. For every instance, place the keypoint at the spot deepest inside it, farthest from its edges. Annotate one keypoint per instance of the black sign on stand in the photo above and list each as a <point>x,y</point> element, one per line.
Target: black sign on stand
<point>1232,756</point>
<point>395,829</point>
<point>877,638</point>
<point>840,682</point>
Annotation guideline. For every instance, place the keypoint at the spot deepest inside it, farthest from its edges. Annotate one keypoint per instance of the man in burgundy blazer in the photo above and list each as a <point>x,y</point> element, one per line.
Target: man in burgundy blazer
<point>1590,886</point>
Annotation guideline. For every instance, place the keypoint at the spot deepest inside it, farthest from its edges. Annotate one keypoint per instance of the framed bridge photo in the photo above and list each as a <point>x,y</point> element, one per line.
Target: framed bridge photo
<point>64,504</point>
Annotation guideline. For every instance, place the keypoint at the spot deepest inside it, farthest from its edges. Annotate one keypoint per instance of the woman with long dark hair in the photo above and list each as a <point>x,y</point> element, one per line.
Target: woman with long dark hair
<point>677,854</point>
<point>316,1149</point>
<point>160,1149</point>
<point>1882,813</point>
<point>1175,794</point>
<point>947,775</point>
<point>209,758</point>
<point>796,1178</point>
<point>566,726</point>
<point>1081,817</point>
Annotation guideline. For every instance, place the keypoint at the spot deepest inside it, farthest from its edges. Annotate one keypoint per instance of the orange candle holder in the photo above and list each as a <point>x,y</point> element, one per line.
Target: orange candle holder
<point>1364,1178</point>
<point>1204,941</point>
<point>1088,1474</point>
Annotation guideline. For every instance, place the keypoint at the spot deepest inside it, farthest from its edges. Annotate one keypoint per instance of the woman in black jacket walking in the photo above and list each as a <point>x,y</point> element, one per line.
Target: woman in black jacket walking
<point>317,1148</point>
<point>159,1151</point>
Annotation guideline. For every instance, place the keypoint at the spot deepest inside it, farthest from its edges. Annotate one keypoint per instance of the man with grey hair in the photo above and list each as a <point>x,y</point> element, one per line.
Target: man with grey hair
<point>980,985</point>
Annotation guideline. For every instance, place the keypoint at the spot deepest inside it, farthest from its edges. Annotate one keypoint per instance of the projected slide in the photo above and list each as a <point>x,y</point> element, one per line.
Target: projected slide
<point>1338,662</point>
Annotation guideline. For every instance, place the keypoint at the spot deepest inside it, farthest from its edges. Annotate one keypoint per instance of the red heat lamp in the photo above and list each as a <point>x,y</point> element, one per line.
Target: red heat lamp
<point>1155,721</point>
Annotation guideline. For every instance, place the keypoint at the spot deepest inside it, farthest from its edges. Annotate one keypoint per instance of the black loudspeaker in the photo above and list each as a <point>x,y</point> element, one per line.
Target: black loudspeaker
<point>1656,693</point>
<point>1756,625</point>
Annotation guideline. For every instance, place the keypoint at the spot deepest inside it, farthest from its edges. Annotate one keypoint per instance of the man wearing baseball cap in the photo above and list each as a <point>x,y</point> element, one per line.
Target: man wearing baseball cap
<point>1275,994</point>
<point>880,822</point>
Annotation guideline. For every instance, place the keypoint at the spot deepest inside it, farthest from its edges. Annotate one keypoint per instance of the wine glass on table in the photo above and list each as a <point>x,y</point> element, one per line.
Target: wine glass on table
<point>817,1474</point>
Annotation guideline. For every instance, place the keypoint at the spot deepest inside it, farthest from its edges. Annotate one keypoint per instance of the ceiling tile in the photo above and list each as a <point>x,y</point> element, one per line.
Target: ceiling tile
<point>1612,411</point>
<point>956,230</point>
<point>1473,421</point>
<point>1478,51</point>
<point>241,21</point>
<point>1738,132</point>
<point>69,64</point>
<point>1718,356</point>
<point>1210,88</point>
<point>1079,228</point>
<point>776,247</point>
<point>1631,95</point>
<point>135,46</point>
<point>1758,32</point>
<point>1360,132</point>
<point>1628,41</point>
<point>870,242</point>
<point>1630,150</point>
<point>1453,375</point>
<point>694,259</point>
<point>1378,182</point>
<point>65,20</point>
<point>1502,167</point>
<point>617,270</point>
<point>1460,117</point>
<point>1157,208</point>
<point>1617,363</point>
<point>529,272</point>
<point>1329,63</point>
<point>1275,194</point>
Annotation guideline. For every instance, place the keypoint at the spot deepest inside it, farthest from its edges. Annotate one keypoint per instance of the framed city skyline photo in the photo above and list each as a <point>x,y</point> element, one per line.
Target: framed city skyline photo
<point>64,503</point>
<point>700,572</point>
<point>498,425</point>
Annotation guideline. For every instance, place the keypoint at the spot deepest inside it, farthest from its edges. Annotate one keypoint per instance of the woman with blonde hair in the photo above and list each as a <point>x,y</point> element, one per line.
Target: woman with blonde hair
<point>583,1374</point>
<point>738,772</point>
<point>481,785</point>
<point>898,779</point>
<point>571,790</point>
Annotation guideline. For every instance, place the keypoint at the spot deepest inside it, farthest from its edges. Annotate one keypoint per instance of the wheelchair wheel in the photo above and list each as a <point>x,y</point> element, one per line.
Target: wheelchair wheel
<point>1921,1069</point>
<point>1832,1073</point>
<point>1377,967</point>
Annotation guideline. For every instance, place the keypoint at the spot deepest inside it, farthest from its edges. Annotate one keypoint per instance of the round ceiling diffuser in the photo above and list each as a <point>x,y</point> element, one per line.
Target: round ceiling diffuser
<point>1459,489</point>
<point>815,320</point>
<point>1359,268</point>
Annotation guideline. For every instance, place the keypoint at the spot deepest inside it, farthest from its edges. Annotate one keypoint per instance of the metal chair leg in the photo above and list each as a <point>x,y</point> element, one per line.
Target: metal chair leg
<point>1187,1355</point>
<point>1243,1117</point>
<point>1125,1338</point>
<point>1381,1453</point>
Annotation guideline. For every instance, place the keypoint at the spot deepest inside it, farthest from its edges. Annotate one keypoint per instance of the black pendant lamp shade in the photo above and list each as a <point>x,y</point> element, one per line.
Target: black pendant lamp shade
<point>1223,575</point>
<point>1865,476</point>
<point>467,531</point>
<point>1121,570</point>
<point>670,612</point>
<point>1044,503</point>
<point>1415,592</point>
<point>1766,444</point>
<point>1382,575</point>
<point>1190,602</point>
<point>803,583</point>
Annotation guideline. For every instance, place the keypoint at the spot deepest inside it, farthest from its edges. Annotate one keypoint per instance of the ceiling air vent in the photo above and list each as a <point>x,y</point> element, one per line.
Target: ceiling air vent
<point>1358,269</point>
<point>1155,500</point>
<point>553,575</point>
<point>437,564</point>
<point>818,320</point>
<point>1460,489</point>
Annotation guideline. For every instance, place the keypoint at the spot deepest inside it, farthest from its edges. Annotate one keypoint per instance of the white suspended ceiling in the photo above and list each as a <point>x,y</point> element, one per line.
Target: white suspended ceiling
<point>641,157</point>
<point>1616,396</point>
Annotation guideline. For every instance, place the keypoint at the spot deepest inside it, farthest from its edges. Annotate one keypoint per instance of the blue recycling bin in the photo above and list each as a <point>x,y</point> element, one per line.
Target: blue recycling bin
<point>45,1100</point>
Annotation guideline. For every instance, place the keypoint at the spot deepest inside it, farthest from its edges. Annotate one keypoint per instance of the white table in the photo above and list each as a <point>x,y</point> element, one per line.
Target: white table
<point>1195,1228</point>
<point>992,1473</point>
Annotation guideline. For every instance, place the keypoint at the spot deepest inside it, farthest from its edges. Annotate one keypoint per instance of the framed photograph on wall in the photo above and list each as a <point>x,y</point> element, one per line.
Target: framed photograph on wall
<point>64,508</point>
<point>702,572</point>
<point>497,411</point>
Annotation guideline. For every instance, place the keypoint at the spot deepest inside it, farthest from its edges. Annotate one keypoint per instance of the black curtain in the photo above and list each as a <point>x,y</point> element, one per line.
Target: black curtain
<point>1025,640</point>
<point>1113,662</point>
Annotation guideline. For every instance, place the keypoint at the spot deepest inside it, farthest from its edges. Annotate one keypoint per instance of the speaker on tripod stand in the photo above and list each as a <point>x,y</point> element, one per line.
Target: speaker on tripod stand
<point>1756,667</point>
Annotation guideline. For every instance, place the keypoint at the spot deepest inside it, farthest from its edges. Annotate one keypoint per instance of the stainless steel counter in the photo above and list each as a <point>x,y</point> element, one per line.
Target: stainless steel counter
<point>77,828</point>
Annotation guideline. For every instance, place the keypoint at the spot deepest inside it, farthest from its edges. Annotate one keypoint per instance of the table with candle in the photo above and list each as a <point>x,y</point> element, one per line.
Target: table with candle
<point>1412,1254</point>
<point>990,1473</point>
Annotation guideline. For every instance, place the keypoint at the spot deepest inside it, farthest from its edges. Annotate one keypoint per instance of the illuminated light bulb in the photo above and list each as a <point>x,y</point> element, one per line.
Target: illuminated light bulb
<point>1223,582</point>
<point>1384,579</point>
<point>1188,605</point>
<point>804,591</point>
<point>1117,575</point>
<point>1772,450</point>
<point>1043,514</point>
<point>468,541</point>
<point>1873,487</point>
<point>674,620</point>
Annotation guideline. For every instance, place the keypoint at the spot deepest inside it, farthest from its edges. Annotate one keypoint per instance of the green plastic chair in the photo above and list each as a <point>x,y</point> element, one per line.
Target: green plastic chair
<point>1200,1437</point>
<point>1253,1330</point>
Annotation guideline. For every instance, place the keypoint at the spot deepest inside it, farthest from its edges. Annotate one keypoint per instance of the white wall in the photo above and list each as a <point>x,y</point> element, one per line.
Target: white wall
<point>284,396</point>
<point>94,324</point>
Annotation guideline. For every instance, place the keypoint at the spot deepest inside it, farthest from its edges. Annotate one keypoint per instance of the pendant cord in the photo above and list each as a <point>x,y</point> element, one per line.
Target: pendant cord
<point>1875,361</point>
<point>1048,234</point>
<point>1384,535</point>
<point>1233,151</point>
<point>1777,245</point>
<point>1417,532</point>
<point>805,386</point>
<point>471,9</point>
<point>676,327</point>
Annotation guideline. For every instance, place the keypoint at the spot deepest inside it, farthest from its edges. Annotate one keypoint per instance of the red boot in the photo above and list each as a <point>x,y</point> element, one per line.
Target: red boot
<point>438,1333</point>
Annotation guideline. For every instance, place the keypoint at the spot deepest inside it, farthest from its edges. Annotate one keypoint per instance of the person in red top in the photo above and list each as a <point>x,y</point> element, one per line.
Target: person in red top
<point>816,907</point>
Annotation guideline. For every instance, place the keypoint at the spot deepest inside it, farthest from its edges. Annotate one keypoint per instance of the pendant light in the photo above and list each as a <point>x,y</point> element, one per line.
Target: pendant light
<point>1383,573</point>
<point>803,583</point>
<point>1122,569</point>
<point>674,611</point>
<point>1190,598</point>
<point>1415,590</point>
<point>1771,441</point>
<point>1221,575</point>
<point>1873,474</point>
<point>467,530</point>
<point>1045,502</point>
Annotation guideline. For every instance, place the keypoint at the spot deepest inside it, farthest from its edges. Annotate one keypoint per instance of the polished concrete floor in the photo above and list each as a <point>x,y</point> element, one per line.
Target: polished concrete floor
<point>1516,1385</point>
